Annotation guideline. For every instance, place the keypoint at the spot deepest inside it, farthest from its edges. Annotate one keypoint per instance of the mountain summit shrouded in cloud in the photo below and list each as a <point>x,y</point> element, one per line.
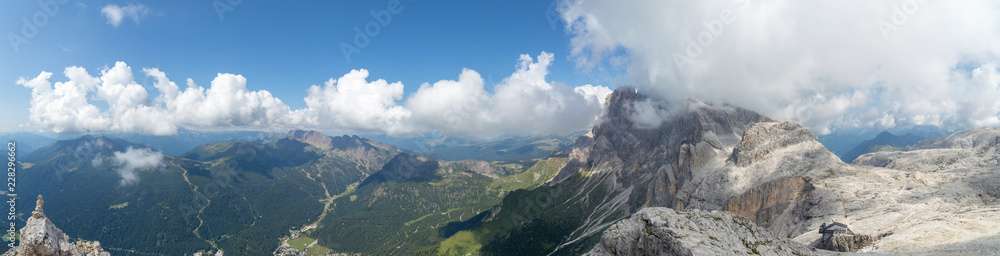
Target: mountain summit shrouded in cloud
<point>522,103</point>
<point>826,64</point>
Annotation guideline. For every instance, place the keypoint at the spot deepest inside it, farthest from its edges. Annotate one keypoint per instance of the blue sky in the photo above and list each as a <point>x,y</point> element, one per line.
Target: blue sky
<point>283,47</point>
<point>495,67</point>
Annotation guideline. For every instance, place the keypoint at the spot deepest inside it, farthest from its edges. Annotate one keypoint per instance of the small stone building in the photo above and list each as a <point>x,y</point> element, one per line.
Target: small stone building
<point>834,228</point>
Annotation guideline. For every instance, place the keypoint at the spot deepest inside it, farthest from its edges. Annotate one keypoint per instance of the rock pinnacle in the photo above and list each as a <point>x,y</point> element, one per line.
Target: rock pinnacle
<point>38,208</point>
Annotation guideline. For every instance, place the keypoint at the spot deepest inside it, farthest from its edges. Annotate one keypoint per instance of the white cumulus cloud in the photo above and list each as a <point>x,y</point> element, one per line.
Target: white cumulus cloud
<point>523,103</point>
<point>116,13</point>
<point>826,64</point>
<point>67,107</point>
<point>226,103</point>
<point>351,102</point>
<point>135,159</point>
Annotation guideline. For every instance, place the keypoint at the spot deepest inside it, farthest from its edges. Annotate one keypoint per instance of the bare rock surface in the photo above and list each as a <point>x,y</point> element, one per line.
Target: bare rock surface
<point>939,196</point>
<point>663,231</point>
<point>40,237</point>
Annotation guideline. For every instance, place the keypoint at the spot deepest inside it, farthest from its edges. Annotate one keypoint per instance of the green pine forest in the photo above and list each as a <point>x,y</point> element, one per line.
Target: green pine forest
<point>244,197</point>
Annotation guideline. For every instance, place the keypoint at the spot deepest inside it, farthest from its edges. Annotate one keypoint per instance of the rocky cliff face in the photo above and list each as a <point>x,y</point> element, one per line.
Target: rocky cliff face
<point>704,157</point>
<point>663,231</point>
<point>762,204</point>
<point>40,237</point>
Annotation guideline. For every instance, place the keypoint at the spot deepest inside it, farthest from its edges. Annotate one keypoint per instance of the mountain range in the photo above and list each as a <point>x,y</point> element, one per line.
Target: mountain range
<point>882,139</point>
<point>848,144</point>
<point>305,192</point>
<point>504,148</point>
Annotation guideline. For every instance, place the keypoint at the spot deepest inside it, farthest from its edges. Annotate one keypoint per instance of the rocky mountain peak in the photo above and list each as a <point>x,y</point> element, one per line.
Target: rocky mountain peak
<point>314,138</point>
<point>618,105</point>
<point>884,135</point>
<point>42,238</point>
<point>342,143</point>
<point>686,133</point>
<point>761,139</point>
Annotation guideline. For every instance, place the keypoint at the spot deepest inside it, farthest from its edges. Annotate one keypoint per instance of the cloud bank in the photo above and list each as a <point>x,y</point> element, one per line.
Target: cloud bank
<point>523,103</point>
<point>116,13</point>
<point>134,159</point>
<point>826,64</point>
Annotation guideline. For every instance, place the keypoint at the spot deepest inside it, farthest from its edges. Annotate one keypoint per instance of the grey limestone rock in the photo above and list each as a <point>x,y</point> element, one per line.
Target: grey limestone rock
<point>663,231</point>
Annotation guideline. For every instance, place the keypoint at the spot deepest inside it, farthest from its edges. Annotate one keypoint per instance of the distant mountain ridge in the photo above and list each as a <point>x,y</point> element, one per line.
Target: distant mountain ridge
<point>27,142</point>
<point>449,148</point>
<point>507,148</point>
<point>884,138</point>
<point>848,144</point>
<point>186,139</point>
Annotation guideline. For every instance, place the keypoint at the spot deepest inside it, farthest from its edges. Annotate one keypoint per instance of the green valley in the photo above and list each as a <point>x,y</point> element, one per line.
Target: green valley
<point>336,194</point>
